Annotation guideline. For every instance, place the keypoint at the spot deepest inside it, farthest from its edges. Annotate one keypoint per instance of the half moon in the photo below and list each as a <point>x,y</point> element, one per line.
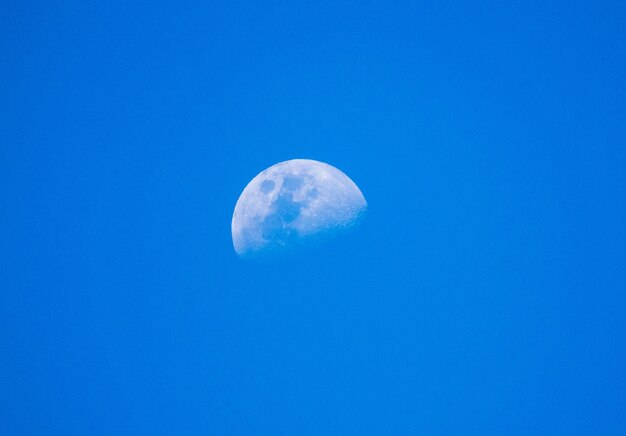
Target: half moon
<point>293,201</point>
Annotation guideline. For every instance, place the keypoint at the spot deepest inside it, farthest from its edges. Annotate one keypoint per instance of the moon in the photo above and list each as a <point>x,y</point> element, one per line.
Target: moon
<point>291,202</point>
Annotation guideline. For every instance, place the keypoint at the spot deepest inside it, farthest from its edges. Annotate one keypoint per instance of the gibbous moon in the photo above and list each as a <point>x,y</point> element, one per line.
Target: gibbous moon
<point>293,201</point>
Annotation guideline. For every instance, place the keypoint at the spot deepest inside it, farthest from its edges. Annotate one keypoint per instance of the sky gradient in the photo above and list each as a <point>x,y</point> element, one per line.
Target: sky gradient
<point>483,294</point>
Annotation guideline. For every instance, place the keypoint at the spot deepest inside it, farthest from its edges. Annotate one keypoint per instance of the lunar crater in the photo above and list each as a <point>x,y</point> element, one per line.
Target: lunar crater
<point>267,186</point>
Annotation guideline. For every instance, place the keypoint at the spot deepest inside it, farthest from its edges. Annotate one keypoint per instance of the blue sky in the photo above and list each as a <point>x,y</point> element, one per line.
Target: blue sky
<point>483,293</point>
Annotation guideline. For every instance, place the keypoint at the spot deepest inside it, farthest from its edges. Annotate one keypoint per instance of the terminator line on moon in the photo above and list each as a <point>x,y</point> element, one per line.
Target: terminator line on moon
<point>292,201</point>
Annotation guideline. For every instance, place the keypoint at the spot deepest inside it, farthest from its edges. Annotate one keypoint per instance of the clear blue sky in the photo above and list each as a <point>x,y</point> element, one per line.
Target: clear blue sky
<point>484,294</point>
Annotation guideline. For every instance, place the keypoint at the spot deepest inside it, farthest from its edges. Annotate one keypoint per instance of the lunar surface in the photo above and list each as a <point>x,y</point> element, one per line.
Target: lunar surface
<point>291,202</point>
